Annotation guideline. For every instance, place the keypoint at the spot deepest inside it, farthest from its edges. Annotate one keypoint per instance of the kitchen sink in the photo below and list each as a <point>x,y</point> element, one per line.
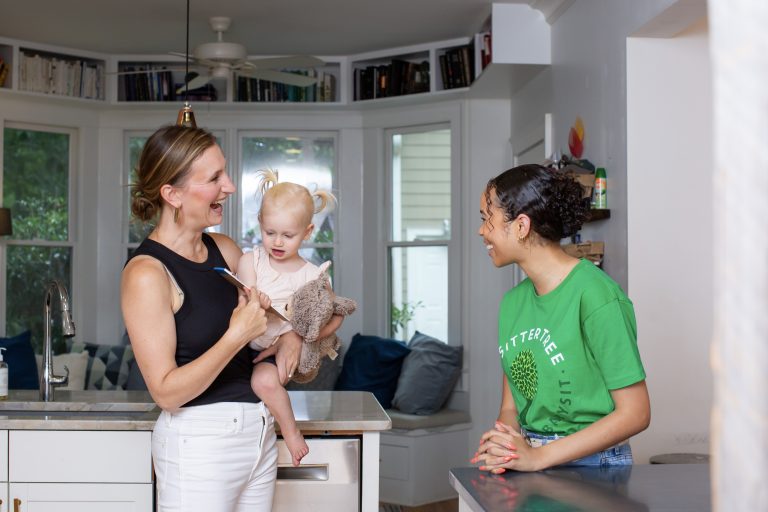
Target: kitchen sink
<point>90,405</point>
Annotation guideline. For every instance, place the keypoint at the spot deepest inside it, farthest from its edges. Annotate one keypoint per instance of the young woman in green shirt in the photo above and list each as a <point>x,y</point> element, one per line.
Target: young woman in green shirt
<point>574,386</point>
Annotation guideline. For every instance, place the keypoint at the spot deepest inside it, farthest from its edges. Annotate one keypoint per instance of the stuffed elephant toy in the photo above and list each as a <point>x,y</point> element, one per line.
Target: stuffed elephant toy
<point>310,309</point>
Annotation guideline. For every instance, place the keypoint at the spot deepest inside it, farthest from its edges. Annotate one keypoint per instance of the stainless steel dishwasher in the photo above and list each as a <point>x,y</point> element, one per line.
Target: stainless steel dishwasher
<point>328,478</point>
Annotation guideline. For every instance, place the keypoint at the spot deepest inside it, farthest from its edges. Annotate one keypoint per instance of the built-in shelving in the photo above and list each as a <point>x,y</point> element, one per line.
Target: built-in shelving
<point>48,72</point>
<point>387,74</point>
<point>325,90</point>
<point>513,44</point>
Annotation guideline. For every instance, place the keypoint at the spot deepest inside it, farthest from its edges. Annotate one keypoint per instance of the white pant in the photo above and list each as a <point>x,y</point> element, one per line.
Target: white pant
<point>219,457</point>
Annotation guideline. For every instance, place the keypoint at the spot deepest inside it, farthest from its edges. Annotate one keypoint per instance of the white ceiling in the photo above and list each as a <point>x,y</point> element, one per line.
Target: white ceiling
<point>265,27</point>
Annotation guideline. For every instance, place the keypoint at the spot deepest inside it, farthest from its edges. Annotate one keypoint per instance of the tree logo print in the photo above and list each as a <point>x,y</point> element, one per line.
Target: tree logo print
<point>525,377</point>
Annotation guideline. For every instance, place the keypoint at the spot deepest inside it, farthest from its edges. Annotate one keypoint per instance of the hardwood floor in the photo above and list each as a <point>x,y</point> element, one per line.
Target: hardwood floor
<point>440,506</point>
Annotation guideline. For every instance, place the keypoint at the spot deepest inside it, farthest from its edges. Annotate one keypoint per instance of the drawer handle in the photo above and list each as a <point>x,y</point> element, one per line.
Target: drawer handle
<point>314,472</point>
<point>16,505</point>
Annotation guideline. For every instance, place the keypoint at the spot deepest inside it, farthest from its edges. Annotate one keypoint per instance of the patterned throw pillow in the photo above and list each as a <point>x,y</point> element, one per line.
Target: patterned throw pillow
<point>108,365</point>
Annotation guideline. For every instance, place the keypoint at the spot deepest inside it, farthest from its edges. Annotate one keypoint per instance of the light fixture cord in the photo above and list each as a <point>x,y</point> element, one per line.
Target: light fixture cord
<point>186,60</point>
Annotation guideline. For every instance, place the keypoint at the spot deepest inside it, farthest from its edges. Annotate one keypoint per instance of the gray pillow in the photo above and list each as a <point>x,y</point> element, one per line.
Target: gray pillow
<point>429,373</point>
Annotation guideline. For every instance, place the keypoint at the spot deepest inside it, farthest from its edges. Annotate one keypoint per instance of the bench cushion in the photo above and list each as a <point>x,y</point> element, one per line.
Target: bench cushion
<point>372,364</point>
<point>441,418</point>
<point>430,372</point>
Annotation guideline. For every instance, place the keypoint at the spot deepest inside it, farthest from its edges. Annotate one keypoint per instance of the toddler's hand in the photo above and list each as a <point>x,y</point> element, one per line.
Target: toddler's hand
<point>264,300</point>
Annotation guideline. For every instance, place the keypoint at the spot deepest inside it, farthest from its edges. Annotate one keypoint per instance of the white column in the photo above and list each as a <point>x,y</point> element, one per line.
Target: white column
<point>740,350</point>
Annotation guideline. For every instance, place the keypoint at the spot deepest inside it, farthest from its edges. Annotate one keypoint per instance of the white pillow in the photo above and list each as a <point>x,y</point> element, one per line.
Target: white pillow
<point>77,364</point>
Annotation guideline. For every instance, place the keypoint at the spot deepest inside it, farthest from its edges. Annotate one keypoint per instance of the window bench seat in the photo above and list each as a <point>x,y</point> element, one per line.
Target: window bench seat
<point>417,454</point>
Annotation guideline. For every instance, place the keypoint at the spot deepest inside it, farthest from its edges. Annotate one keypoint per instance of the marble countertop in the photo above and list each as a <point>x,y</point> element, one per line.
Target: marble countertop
<point>638,488</point>
<point>316,411</point>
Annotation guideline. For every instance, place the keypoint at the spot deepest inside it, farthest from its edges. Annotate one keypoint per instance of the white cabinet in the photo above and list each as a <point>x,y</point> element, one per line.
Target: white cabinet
<point>70,497</point>
<point>3,471</point>
<point>79,470</point>
<point>328,479</point>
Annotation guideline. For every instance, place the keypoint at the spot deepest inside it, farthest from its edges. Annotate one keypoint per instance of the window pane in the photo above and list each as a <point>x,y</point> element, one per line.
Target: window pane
<point>421,186</point>
<point>419,281</point>
<point>309,161</point>
<point>30,268</point>
<point>36,183</point>
<point>137,231</point>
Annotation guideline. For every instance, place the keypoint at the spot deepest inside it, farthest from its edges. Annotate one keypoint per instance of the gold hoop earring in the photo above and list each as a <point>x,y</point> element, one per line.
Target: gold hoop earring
<point>176,215</point>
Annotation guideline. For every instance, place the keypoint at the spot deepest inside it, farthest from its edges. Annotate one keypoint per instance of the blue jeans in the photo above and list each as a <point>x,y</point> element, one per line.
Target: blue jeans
<point>617,455</point>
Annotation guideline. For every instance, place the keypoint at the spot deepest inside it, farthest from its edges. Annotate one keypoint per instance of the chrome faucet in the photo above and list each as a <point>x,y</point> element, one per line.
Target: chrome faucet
<point>48,381</point>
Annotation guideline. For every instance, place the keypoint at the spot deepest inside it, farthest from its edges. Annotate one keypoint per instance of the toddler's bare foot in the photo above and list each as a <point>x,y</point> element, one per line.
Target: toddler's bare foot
<point>296,445</point>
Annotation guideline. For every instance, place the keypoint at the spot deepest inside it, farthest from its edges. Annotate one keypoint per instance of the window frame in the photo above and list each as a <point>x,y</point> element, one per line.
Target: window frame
<point>72,216</point>
<point>453,244</point>
<point>237,179</point>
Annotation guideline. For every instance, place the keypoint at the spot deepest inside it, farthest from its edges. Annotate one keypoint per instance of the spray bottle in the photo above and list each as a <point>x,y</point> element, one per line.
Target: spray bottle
<point>600,201</point>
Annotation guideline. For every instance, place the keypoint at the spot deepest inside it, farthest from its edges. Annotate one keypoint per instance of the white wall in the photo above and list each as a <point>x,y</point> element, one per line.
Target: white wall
<point>670,219</point>
<point>589,80</point>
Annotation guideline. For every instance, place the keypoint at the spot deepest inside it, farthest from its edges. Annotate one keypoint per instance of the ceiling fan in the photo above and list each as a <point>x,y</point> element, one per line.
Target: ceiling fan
<point>220,58</point>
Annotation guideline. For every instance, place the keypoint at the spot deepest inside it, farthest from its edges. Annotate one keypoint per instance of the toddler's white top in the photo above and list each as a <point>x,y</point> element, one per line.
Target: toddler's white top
<point>280,287</point>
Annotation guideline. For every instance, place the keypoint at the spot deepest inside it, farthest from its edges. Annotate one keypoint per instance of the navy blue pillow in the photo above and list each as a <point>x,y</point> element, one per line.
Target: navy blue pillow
<point>373,364</point>
<point>22,366</point>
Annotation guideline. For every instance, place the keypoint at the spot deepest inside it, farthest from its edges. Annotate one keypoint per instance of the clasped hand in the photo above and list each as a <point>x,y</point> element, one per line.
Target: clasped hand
<point>504,448</point>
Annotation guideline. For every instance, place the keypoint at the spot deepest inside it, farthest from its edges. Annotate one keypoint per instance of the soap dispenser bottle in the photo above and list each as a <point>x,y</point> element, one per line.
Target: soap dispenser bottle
<point>3,377</point>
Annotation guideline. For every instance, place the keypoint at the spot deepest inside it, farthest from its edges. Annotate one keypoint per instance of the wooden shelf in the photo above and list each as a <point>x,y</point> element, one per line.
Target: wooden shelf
<point>595,215</point>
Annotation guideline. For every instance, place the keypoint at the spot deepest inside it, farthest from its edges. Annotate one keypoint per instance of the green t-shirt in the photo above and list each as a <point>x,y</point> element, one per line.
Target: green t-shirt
<point>564,351</point>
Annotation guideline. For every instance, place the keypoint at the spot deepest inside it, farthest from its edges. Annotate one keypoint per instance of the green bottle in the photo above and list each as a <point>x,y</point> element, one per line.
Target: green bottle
<point>600,201</point>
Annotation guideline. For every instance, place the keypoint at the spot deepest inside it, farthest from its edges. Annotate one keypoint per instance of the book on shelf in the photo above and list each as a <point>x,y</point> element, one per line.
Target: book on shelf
<point>54,74</point>
<point>151,83</point>
<point>457,67</point>
<point>485,51</point>
<point>398,78</point>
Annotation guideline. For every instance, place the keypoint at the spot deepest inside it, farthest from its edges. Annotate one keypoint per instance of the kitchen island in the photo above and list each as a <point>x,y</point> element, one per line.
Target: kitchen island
<point>639,488</point>
<point>93,448</point>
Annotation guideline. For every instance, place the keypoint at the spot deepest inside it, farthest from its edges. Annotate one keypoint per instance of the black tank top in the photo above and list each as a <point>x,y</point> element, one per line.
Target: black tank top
<point>203,318</point>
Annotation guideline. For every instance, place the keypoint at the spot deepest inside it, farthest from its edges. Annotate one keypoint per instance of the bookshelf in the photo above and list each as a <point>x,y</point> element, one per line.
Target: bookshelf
<point>510,47</point>
<point>388,74</point>
<point>456,66</point>
<point>325,90</point>
<point>158,81</point>
<point>48,72</point>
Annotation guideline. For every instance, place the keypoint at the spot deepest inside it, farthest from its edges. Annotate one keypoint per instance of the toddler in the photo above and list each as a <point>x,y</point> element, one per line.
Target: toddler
<point>276,269</point>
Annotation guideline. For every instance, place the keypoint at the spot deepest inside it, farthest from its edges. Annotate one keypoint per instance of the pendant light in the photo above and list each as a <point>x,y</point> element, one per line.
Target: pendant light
<point>186,117</point>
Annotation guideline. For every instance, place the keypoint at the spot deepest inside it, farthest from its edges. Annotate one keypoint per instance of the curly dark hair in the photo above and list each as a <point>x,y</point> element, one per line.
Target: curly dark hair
<point>552,199</point>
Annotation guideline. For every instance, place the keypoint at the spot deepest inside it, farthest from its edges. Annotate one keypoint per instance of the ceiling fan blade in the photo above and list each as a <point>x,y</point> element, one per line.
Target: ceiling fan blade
<point>138,71</point>
<point>280,77</point>
<point>182,55</point>
<point>297,61</point>
<point>196,82</point>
